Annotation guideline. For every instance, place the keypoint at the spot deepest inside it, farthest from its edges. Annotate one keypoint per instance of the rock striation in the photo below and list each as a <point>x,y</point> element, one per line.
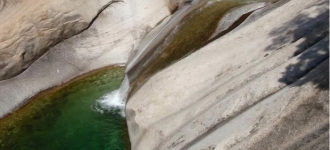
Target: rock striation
<point>29,28</point>
<point>262,86</point>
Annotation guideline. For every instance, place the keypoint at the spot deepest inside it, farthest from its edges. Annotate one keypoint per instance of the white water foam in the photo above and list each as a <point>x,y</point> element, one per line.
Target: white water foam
<point>114,101</point>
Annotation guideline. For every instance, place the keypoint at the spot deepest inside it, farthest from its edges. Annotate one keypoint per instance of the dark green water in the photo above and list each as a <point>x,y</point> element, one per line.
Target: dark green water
<point>62,119</point>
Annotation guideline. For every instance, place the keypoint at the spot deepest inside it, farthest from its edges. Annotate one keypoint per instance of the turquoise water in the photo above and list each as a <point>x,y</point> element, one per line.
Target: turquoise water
<point>62,118</point>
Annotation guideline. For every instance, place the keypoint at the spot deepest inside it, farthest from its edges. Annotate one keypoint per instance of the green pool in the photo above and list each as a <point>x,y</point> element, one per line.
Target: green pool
<point>62,119</point>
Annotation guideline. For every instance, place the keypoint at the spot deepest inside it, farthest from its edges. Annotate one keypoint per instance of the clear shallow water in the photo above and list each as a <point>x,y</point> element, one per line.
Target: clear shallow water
<point>62,118</point>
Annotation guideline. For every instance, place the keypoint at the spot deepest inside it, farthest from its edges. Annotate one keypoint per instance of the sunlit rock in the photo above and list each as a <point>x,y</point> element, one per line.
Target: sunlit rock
<point>262,86</point>
<point>29,28</point>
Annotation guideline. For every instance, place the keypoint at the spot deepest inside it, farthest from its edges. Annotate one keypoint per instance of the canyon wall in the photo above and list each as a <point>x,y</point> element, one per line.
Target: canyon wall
<point>263,85</point>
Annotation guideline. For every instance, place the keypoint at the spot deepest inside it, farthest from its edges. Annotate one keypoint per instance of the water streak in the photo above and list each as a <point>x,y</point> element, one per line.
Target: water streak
<point>114,101</point>
<point>148,46</point>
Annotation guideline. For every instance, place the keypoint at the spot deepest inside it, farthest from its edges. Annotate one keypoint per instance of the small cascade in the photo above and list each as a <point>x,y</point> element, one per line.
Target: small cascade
<point>114,101</point>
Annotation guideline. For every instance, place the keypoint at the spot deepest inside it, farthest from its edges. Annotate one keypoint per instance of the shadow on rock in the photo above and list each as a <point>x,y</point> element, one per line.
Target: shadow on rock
<point>310,34</point>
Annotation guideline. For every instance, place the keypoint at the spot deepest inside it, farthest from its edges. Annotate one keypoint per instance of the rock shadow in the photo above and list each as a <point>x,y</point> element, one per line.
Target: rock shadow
<point>310,33</point>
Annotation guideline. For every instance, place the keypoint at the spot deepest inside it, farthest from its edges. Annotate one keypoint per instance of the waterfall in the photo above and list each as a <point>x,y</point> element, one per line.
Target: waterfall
<point>114,101</point>
<point>152,42</point>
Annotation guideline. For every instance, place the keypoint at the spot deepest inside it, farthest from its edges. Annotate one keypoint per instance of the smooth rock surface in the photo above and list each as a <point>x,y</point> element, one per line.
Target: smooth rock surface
<point>263,86</point>
<point>29,28</point>
<point>108,41</point>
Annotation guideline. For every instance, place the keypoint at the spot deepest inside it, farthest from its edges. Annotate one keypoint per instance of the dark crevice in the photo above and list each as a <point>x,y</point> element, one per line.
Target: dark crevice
<point>100,11</point>
<point>271,5</point>
<point>174,10</point>
<point>238,22</point>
